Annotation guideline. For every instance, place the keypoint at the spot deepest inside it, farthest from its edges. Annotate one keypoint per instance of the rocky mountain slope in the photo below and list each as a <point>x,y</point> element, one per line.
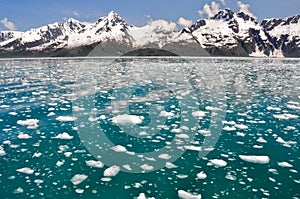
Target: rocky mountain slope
<point>225,34</point>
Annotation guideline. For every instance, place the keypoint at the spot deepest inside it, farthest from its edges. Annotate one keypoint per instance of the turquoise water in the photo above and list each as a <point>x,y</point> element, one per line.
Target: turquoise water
<point>159,121</point>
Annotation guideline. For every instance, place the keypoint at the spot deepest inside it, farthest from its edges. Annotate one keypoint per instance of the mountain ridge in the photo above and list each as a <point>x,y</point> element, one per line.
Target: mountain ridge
<point>225,34</point>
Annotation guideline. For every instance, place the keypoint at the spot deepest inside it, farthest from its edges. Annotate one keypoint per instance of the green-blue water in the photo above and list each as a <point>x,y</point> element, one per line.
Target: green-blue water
<point>255,103</point>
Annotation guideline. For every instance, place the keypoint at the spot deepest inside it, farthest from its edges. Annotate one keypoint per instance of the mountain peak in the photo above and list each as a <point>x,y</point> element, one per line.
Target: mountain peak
<point>113,15</point>
<point>225,14</point>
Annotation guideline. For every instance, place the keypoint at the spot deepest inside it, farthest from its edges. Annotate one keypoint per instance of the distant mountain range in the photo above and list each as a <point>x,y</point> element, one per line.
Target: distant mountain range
<point>225,34</point>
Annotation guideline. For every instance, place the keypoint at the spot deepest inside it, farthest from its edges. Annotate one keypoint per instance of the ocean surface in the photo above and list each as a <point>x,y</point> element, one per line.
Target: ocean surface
<point>150,127</point>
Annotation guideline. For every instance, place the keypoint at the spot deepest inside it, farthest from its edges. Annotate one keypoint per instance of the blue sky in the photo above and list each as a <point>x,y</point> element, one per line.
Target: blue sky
<point>26,14</point>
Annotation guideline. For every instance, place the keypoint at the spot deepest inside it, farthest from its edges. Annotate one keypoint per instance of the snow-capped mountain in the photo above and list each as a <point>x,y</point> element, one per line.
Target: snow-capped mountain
<point>227,33</point>
<point>284,34</point>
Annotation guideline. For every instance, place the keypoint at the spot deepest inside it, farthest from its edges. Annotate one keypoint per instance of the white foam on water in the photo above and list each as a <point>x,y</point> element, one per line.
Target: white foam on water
<point>255,159</point>
<point>111,171</point>
<point>26,170</point>
<point>201,175</point>
<point>63,136</point>
<point>127,119</point>
<point>66,118</point>
<point>78,178</point>
<point>94,163</point>
<point>285,164</point>
<point>217,163</point>
<point>186,195</point>
<point>119,149</point>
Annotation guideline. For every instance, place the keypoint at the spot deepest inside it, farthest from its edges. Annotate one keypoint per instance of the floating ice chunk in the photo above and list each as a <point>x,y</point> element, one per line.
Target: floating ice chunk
<point>79,190</point>
<point>182,136</point>
<point>270,108</point>
<point>147,167</point>
<point>201,175</point>
<point>240,134</point>
<point>229,122</point>
<point>186,195</point>
<point>63,136</point>
<point>59,163</point>
<point>143,196</point>
<point>292,106</point>
<point>119,148</point>
<point>67,154</point>
<point>241,126</point>
<point>2,152</point>
<point>285,116</point>
<point>255,159</point>
<point>37,155</point>
<point>170,165</point>
<point>30,123</point>
<point>164,156</point>
<point>111,171</point>
<point>18,190</point>
<point>66,118</point>
<point>127,119</point>
<point>280,140</point>
<point>106,179</point>
<point>210,108</point>
<point>228,128</point>
<point>166,114</point>
<point>26,170</point>
<point>51,114</point>
<point>261,140</point>
<point>24,136</point>
<point>230,177</point>
<point>38,181</point>
<point>217,163</point>
<point>78,178</point>
<point>193,148</point>
<point>205,133</point>
<point>127,167</point>
<point>95,164</point>
<point>285,164</point>
<point>182,176</point>
<point>13,113</point>
<point>199,114</point>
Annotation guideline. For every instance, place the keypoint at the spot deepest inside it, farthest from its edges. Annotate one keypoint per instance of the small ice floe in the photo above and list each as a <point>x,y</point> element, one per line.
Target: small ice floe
<point>95,164</point>
<point>255,159</point>
<point>36,155</point>
<point>79,191</point>
<point>66,118</point>
<point>111,171</point>
<point>182,176</point>
<point>78,178</point>
<point>143,196</point>
<point>166,114</point>
<point>2,152</point>
<point>146,167</point>
<point>38,181</point>
<point>186,195</point>
<point>18,190</point>
<point>127,119</point>
<point>26,170</point>
<point>261,140</point>
<point>284,164</point>
<point>106,179</point>
<point>271,108</point>
<point>13,113</point>
<point>199,114</point>
<point>51,114</point>
<point>63,136</point>
<point>170,165</point>
<point>285,116</point>
<point>24,136</point>
<point>229,128</point>
<point>127,167</point>
<point>119,149</point>
<point>164,156</point>
<point>241,126</point>
<point>193,148</point>
<point>285,143</point>
<point>30,123</point>
<point>201,175</point>
<point>217,163</point>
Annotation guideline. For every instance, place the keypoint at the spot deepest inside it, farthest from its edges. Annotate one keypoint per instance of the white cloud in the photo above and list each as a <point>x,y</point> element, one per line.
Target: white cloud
<point>76,14</point>
<point>245,9</point>
<point>184,22</point>
<point>162,24</point>
<point>8,24</point>
<point>210,10</point>
<point>223,2</point>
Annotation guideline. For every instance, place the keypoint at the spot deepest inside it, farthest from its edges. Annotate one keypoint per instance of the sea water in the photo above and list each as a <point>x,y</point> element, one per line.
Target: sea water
<point>150,127</point>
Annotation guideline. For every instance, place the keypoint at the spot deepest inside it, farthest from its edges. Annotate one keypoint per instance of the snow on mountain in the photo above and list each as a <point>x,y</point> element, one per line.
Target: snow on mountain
<point>227,33</point>
<point>284,34</point>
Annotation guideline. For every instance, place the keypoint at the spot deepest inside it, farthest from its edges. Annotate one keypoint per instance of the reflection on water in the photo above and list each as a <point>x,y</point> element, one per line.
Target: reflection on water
<point>112,128</point>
